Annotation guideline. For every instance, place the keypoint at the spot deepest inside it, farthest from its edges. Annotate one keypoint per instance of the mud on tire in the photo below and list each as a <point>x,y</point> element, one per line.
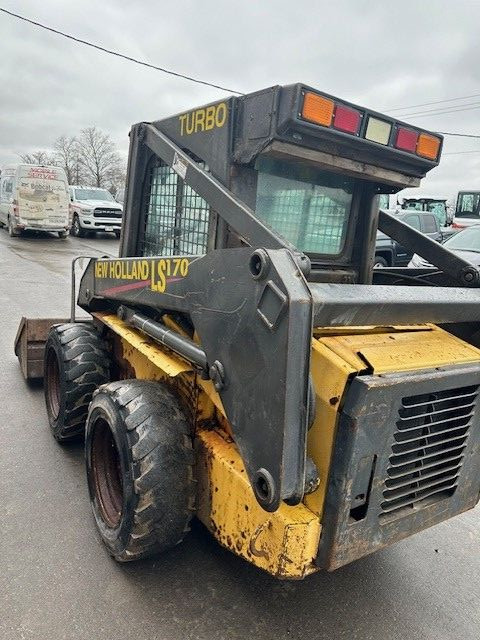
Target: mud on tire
<point>76,363</point>
<point>139,457</point>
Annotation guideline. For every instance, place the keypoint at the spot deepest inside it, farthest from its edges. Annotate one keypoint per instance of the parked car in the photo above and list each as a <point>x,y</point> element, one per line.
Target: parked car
<point>94,209</point>
<point>465,243</point>
<point>389,253</point>
<point>467,209</point>
<point>34,197</point>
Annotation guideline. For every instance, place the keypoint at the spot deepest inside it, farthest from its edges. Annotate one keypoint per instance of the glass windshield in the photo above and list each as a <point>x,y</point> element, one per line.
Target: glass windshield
<point>437,207</point>
<point>308,207</point>
<point>93,194</point>
<point>467,240</point>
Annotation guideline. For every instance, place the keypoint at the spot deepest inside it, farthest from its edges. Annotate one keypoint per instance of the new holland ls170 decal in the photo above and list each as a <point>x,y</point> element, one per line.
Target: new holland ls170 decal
<point>152,273</point>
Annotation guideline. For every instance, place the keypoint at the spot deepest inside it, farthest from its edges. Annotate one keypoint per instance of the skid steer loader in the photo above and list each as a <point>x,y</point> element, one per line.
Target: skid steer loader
<point>243,362</point>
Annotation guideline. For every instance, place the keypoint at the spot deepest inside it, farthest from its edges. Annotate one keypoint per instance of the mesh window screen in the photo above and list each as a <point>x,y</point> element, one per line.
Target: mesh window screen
<point>177,218</point>
<point>309,207</point>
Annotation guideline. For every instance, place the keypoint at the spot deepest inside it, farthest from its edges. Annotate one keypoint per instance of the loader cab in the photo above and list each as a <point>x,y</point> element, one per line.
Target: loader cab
<point>309,166</point>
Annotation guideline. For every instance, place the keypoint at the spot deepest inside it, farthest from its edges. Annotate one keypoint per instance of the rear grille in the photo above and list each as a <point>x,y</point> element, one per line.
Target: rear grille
<point>428,449</point>
<point>107,213</point>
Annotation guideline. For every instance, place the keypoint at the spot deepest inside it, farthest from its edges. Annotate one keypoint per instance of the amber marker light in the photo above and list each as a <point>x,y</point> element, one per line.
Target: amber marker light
<point>317,109</point>
<point>428,146</point>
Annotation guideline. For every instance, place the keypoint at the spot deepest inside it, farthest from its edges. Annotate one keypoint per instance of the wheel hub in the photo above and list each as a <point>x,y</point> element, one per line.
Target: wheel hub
<point>53,384</point>
<point>107,477</point>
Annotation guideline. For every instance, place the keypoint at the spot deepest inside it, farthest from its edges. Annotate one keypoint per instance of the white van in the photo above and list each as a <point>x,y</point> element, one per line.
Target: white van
<point>34,197</point>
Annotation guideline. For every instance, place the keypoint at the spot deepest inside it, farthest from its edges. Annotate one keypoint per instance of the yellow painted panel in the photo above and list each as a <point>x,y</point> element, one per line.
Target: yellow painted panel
<point>330,375</point>
<point>160,357</point>
<point>403,351</point>
<point>283,543</point>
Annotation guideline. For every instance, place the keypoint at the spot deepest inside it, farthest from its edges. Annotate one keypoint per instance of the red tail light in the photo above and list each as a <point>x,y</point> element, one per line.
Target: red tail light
<point>347,119</point>
<point>406,139</point>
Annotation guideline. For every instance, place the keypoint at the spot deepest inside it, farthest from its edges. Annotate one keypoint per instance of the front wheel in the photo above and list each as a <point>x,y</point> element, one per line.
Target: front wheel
<point>76,363</point>
<point>77,230</point>
<point>62,234</point>
<point>139,457</point>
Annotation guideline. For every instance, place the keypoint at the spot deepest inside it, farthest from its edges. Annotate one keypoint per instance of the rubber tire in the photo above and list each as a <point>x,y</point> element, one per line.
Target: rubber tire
<point>155,453</point>
<point>62,235</point>
<point>11,229</point>
<point>380,262</point>
<point>117,234</point>
<point>77,230</point>
<point>83,365</point>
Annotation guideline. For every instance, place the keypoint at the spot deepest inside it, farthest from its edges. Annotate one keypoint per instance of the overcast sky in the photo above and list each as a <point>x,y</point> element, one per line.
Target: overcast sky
<point>377,53</point>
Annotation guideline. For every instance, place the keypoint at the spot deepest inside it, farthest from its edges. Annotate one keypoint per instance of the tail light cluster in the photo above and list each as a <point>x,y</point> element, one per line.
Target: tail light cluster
<point>319,109</point>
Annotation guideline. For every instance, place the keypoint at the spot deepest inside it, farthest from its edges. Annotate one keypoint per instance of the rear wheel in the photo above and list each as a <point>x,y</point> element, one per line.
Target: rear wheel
<point>379,262</point>
<point>139,457</point>
<point>117,233</point>
<point>77,230</point>
<point>76,363</point>
<point>12,230</point>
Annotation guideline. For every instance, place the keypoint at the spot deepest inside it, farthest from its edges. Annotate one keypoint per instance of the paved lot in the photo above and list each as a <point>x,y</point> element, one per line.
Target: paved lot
<point>56,580</point>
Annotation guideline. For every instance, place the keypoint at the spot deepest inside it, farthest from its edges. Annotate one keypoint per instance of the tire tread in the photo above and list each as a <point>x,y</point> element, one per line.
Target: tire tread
<point>157,433</point>
<point>86,365</point>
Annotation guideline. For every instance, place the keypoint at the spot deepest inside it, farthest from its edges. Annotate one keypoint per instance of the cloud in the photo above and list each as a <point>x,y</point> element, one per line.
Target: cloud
<point>371,52</point>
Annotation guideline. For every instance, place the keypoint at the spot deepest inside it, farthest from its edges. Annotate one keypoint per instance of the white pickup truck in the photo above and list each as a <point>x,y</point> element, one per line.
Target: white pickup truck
<point>94,209</point>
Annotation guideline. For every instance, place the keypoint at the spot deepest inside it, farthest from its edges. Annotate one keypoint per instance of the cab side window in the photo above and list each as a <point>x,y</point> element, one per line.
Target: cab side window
<point>7,189</point>
<point>429,224</point>
<point>177,218</point>
<point>468,203</point>
<point>413,221</point>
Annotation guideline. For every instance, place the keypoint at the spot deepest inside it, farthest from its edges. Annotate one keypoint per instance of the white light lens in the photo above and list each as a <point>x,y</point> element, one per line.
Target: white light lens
<point>378,131</point>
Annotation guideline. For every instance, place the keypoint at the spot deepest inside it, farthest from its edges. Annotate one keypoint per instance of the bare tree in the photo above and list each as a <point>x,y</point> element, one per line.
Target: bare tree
<point>38,157</point>
<point>117,180</point>
<point>67,156</point>
<point>98,157</point>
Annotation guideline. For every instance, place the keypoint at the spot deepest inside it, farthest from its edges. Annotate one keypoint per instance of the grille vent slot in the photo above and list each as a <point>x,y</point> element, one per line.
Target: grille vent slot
<point>107,213</point>
<point>427,449</point>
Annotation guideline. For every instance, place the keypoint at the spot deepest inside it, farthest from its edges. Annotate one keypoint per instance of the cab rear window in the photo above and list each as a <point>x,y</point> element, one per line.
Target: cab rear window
<point>307,206</point>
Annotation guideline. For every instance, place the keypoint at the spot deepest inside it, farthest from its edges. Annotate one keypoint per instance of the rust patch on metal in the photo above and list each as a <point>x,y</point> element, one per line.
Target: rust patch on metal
<point>256,551</point>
